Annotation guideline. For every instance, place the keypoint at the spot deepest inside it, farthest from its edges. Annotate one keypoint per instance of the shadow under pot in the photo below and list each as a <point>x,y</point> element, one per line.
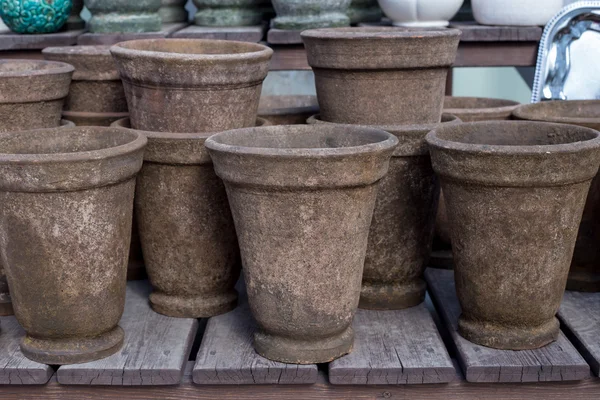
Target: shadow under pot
<point>287,110</point>
<point>584,275</point>
<point>302,199</point>
<point>515,193</point>
<point>402,229</point>
<point>65,225</point>
<point>212,85</point>
<point>365,75</point>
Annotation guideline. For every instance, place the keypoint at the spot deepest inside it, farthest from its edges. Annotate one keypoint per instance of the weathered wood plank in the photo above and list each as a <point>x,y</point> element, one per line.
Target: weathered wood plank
<point>394,347</point>
<point>15,41</point>
<point>155,350</point>
<point>15,368</point>
<point>473,32</point>
<point>580,315</point>
<point>226,355</point>
<point>241,33</point>
<point>280,36</point>
<point>558,361</point>
<point>107,39</point>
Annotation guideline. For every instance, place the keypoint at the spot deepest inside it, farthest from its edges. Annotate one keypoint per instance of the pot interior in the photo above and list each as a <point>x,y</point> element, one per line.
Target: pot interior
<point>192,46</point>
<point>476,102</point>
<point>26,67</point>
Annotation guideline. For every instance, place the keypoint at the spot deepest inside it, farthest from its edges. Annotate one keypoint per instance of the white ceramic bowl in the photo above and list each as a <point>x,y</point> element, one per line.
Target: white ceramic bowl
<point>515,12</point>
<point>420,13</point>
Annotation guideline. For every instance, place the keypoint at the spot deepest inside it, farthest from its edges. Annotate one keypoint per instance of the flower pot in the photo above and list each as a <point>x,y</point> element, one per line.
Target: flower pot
<point>222,93</point>
<point>229,12</point>
<point>365,75</point>
<point>124,16</point>
<point>310,14</point>
<point>65,223</point>
<point>364,11</point>
<point>173,11</point>
<point>75,22</point>
<point>302,199</point>
<point>515,192</point>
<point>287,110</point>
<point>402,228</point>
<point>32,93</point>
<point>471,109</point>
<point>420,13</point>
<point>96,96</point>
<point>515,12</point>
<point>585,267</point>
<point>35,16</point>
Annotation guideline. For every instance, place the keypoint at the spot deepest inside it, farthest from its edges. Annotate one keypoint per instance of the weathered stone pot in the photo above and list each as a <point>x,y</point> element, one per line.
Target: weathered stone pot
<point>585,267</point>
<point>364,11</point>
<point>75,22</point>
<point>365,75</point>
<point>222,92</point>
<point>287,110</point>
<point>471,109</point>
<point>310,14</point>
<point>515,193</point>
<point>65,223</point>
<point>229,12</point>
<point>402,229</point>
<point>96,96</point>
<point>114,16</point>
<point>302,199</point>
<point>173,11</point>
<point>32,93</point>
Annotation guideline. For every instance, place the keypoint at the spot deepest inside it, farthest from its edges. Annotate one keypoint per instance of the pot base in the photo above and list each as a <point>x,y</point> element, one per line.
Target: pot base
<point>395,296</point>
<point>583,282</point>
<point>193,307</point>
<point>72,350</point>
<point>294,351</point>
<point>300,22</point>
<point>509,337</point>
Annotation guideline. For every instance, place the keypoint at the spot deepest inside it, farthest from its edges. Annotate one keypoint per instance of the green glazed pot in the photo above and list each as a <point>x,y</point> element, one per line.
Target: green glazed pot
<point>35,16</point>
<point>124,16</point>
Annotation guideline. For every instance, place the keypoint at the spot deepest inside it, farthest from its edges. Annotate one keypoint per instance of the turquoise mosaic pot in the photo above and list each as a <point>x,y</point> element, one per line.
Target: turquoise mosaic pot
<point>35,16</point>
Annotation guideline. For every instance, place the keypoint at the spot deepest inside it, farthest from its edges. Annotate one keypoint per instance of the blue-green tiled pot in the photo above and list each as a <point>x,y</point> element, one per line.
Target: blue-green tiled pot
<point>35,16</point>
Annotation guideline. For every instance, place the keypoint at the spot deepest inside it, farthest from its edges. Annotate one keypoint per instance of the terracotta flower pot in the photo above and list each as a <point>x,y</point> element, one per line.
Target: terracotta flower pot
<point>302,199</point>
<point>585,267</point>
<point>365,75</point>
<point>67,201</point>
<point>364,11</point>
<point>515,192</point>
<point>229,12</point>
<point>173,11</point>
<point>96,96</point>
<point>402,228</point>
<point>32,93</point>
<point>310,14</point>
<point>120,16</point>
<point>471,109</point>
<point>287,110</point>
<point>211,85</point>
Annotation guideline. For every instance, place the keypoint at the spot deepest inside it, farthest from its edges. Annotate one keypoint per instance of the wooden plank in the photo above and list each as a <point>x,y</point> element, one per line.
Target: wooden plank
<point>241,33</point>
<point>280,36</point>
<point>394,347</point>
<point>580,315</point>
<point>155,350</point>
<point>226,355</point>
<point>16,41</point>
<point>473,32</point>
<point>558,361</point>
<point>91,39</point>
<point>15,368</point>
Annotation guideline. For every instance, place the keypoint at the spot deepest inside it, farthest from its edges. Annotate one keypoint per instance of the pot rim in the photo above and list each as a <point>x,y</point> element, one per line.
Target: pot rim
<point>59,68</point>
<point>504,105</point>
<point>378,33</point>
<point>526,112</point>
<point>447,118</point>
<point>433,139</point>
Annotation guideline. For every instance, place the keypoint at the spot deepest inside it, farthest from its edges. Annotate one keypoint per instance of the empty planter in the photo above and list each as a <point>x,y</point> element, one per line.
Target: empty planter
<point>124,16</point>
<point>206,86</point>
<point>420,13</point>
<point>287,110</point>
<point>230,12</point>
<point>310,14</point>
<point>96,95</point>
<point>585,267</point>
<point>515,192</point>
<point>302,199</point>
<point>65,225</point>
<point>381,75</point>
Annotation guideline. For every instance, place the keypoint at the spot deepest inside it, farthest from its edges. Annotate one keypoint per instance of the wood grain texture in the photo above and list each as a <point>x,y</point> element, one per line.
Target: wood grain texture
<point>15,368</point>
<point>241,33</point>
<point>473,32</point>
<point>226,355</point>
<point>394,347</point>
<point>580,316</point>
<point>280,36</point>
<point>155,351</point>
<point>558,361</point>
<point>92,39</point>
<point>15,41</point>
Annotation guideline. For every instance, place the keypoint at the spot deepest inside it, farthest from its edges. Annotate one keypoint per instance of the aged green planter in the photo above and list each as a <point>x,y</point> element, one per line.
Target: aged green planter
<point>119,16</point>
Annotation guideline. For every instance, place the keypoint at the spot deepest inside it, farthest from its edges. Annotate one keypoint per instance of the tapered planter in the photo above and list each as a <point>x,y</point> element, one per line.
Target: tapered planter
<point>402,229</point>
<point>515,193</point>
<point>365,75</point>
<point>173,11</point>
<point>310,14</point>
<point>67,201</point>
<point>211,85</point>
<point>302,199</point>
<point>229,12</point>
<point>364,11</point>
<point>585,267</point>
<point>287,110</point>
<point>471,109</point>
<point>114,16</point>
<point>32,93</point>
<point>96,96</point>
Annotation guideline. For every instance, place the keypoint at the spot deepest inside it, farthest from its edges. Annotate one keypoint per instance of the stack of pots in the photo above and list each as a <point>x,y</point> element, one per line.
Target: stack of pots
<point>406,72</point>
